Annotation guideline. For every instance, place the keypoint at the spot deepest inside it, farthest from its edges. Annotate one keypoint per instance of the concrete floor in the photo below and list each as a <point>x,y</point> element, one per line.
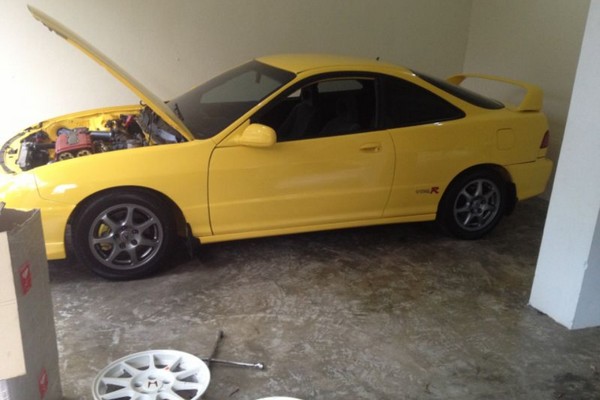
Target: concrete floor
<point>391,312</point>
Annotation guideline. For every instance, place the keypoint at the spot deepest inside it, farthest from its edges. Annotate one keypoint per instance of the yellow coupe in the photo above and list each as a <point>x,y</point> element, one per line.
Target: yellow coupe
<point>281,144</point>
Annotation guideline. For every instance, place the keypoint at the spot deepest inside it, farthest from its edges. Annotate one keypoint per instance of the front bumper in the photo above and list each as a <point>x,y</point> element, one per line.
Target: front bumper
<point>19,191</point>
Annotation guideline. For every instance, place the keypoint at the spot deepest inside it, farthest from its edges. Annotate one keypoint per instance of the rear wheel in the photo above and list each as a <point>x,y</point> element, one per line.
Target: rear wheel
<point>124,235</point>
<point>473,204</point>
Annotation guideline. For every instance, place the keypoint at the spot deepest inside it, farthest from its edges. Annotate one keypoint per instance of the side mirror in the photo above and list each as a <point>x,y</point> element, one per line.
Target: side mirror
<point>257,135</point>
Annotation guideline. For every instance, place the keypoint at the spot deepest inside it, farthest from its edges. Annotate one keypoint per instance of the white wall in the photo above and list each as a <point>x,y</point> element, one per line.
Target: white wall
<point>172,46</point>
<point>537,41</point>
<point>567,278</point>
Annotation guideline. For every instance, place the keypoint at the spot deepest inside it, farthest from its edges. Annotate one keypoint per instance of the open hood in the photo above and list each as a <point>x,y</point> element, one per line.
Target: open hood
<point>143,93</point>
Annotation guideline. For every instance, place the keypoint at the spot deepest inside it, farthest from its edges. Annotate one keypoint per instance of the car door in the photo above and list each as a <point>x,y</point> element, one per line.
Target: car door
<point>328,166</point>
<point>432,145</point>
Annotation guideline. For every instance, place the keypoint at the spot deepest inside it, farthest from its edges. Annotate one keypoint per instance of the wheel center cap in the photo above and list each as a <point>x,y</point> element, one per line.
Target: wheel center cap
<point>148,385</point>
<point>125,235</point>
<point>477,206</point>
<point>128,235</point>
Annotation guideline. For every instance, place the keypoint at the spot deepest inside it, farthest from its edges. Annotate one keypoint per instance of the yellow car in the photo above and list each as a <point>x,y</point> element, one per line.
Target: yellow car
<point>279,145</point>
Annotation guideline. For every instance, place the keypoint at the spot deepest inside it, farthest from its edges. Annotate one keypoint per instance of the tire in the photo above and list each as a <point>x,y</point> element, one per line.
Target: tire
<point>473,204</point>
<point>124,235</point>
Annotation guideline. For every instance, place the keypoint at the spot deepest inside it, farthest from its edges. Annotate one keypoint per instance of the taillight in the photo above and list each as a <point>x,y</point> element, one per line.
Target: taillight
<point>545,140</point>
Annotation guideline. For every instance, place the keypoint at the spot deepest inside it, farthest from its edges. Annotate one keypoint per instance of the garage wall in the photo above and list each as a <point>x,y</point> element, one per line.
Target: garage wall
<point>171,46</point>
<point>537,41</point>
<point>567,278</point>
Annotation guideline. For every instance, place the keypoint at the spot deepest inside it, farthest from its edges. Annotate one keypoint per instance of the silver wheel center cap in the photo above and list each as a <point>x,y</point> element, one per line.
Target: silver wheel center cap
<point>148,385</point>
<point>477,206</point>
<point>125,235</point>
<point>128,237</point>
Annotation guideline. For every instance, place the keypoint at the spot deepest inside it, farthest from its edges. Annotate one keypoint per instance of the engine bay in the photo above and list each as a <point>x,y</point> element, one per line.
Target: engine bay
<point>65,139</point>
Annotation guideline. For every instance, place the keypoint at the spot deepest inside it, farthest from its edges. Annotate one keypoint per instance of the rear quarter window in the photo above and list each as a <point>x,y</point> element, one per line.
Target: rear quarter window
<point>406,104</point>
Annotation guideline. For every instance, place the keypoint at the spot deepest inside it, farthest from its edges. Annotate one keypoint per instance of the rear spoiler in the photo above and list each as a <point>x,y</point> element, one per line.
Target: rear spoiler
<point>532,101</point>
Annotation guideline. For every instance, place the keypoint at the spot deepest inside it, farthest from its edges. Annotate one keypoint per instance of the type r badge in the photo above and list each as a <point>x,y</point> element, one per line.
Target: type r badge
<point>431,190</point>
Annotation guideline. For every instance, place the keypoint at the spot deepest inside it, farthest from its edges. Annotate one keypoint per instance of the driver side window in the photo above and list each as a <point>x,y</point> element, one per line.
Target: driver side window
<point>325,108</point>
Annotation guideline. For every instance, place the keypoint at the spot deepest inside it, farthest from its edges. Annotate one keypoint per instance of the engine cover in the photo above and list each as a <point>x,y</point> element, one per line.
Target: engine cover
<point>73,143</point>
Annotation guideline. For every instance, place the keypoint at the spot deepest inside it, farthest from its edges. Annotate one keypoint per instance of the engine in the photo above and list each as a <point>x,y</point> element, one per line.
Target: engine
<point>73,143</point>
<point>39,149</point>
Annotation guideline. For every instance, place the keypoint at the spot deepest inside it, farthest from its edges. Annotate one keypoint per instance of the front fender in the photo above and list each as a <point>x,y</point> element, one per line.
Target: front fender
<point>178,171</point>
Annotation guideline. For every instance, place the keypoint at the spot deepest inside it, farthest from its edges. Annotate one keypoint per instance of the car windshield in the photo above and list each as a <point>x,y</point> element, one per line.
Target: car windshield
<point>209,108</point>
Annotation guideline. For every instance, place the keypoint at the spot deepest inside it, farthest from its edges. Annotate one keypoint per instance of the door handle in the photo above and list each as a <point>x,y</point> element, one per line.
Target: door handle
<point>371,147</point>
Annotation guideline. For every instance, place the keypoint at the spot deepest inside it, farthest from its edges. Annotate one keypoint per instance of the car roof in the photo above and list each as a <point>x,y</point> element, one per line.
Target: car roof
<point>298,63</point>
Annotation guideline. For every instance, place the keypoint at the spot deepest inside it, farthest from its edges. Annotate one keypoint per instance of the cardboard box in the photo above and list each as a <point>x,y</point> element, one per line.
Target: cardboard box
<point>28,350</point>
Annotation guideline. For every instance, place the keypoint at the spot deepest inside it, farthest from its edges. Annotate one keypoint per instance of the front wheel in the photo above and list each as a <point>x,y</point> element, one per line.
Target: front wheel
<point>473,204</point>
<point>124,235</point>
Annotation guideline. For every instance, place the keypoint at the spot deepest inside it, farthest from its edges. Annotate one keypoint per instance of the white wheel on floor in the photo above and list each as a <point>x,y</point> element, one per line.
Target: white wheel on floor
<point>278,398</point>
<point>153,375</point>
